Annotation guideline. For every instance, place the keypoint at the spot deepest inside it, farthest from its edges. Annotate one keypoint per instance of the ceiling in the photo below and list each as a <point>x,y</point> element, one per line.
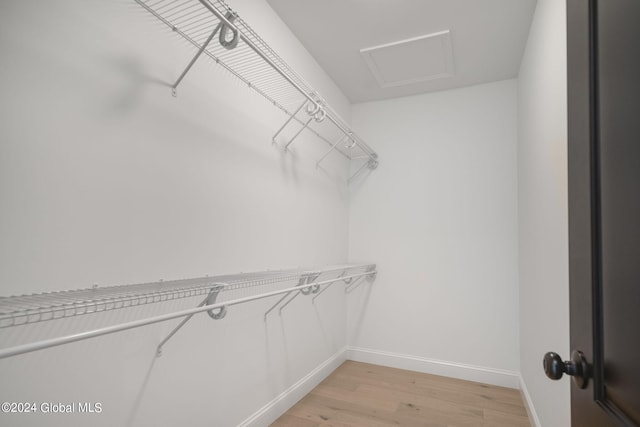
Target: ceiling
<point>449,43</point>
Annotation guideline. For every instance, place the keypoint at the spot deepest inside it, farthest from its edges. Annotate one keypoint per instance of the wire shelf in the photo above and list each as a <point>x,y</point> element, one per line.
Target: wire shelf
<point>248,57</point>
<point>27,309</point>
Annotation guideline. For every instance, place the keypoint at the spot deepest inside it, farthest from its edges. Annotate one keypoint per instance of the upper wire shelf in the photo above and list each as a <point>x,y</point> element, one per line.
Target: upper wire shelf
<point>217,31</point>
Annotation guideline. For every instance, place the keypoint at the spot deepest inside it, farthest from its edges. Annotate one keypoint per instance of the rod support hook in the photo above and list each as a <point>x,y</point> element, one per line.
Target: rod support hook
<point>211,299</point>
<point>222,38</point>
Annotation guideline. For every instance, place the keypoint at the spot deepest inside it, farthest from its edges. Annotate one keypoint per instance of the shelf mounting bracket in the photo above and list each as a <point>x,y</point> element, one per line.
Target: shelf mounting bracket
<point>227,44</point>
<point>209,300</point>
<point>287,122</point>
<point>304,280</point>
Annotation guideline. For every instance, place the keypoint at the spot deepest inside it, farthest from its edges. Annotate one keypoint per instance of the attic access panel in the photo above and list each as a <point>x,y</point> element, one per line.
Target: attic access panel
<point>413,60</point>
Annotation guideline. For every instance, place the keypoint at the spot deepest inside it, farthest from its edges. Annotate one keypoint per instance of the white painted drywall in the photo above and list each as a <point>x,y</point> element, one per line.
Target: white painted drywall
<point>439,217</point>
<point>106,178</point>
<point>542,210</point>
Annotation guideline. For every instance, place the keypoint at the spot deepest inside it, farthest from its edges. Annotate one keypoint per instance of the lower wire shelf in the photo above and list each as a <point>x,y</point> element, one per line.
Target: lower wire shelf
<point>28,309</point>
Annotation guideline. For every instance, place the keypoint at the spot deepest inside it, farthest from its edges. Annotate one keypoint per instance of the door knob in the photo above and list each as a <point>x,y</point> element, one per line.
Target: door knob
<point>577,367</point>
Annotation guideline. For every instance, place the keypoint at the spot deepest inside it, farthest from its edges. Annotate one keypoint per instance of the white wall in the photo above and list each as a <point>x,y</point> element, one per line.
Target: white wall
<point>439,218</point>
<point>106,178</point>
<point>542,210</point>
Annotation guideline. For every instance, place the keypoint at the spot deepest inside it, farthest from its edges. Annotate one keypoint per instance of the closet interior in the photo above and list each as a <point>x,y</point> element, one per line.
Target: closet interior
<point>202,222</point>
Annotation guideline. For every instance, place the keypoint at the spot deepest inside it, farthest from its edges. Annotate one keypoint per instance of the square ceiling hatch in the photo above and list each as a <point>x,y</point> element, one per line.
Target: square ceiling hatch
<point>410,61</point>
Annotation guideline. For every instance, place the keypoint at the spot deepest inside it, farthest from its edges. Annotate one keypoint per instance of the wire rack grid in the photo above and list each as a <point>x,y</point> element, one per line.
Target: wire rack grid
<point>255,63</point>
<point>26,309</point>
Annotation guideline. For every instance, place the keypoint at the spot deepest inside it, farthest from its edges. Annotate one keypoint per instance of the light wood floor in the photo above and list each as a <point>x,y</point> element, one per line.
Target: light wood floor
<point>363,395</point>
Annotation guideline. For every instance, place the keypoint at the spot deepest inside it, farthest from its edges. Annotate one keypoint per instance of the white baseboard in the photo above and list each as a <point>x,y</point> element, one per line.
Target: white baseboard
<point>528,404</point>
<point>285,400</point>
<point>461,371</point>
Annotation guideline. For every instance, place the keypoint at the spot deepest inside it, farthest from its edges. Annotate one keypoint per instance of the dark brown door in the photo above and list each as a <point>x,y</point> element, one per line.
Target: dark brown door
<point>604,212</point>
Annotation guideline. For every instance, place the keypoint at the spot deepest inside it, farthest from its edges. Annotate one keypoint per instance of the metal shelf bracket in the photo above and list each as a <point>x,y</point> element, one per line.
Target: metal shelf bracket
<point>305,279</point>
<point>371,164</point>
<point>209,300</point>
<point>352,284</point>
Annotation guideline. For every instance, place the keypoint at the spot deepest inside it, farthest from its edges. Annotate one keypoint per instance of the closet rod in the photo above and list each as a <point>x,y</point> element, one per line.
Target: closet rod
<point>53,342</point>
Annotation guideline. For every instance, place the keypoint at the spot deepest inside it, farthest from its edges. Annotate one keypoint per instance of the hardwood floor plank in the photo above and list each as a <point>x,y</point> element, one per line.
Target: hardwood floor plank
<point>288,420</point>
<point>411,402</point>
<point>364,395</point>
<point>500,419</point>
<point>454,390</point>
<point>417,379</point>
<point>328,411</point>
<point>356,398</point>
